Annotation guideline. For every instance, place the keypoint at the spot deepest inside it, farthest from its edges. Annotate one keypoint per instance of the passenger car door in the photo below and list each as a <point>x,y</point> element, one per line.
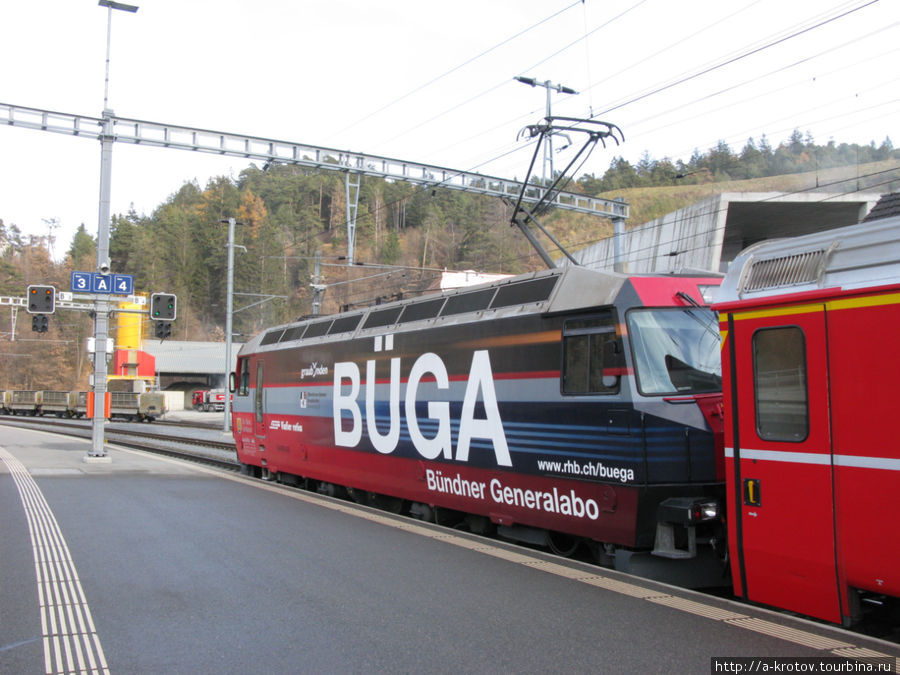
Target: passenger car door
<point>781,487</point>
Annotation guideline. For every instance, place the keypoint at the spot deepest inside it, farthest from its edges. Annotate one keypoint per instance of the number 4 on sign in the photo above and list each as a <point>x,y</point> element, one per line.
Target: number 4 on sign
<point>123,284</point>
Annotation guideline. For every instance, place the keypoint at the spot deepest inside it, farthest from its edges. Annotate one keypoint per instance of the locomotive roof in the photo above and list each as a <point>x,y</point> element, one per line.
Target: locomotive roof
<point>857,256</point>
<point>564,289</point>
<point>553,290</point>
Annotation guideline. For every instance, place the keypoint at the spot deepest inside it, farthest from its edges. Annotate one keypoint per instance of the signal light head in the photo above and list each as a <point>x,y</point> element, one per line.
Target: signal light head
<point>163,306</point>
<point>41,299</point>
<point>162,329</point>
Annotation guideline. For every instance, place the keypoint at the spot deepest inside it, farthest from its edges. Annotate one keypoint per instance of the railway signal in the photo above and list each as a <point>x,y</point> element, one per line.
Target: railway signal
<point>40,323</point>
<point>163,306</point>
<point>162,329</point>
<point>41,299</point>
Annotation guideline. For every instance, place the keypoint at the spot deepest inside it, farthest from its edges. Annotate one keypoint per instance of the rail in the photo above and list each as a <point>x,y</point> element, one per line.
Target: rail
<point>215,453</point>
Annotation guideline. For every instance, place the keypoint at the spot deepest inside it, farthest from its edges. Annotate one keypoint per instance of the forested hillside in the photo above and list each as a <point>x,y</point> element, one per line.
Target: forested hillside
<point>405,236</point>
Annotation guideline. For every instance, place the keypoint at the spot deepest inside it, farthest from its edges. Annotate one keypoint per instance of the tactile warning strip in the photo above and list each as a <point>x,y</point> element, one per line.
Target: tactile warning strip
<point>71,643</point>
<point>861,653</point>
<point>622,587</point>
<point>697,608</point>
<point>800,637</point>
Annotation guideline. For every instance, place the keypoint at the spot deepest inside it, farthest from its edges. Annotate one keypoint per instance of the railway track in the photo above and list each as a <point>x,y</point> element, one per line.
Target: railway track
<point>208,451</point>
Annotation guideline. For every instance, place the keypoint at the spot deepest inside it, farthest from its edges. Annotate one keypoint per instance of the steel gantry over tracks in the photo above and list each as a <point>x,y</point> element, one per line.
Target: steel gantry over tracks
<point>155,134</point>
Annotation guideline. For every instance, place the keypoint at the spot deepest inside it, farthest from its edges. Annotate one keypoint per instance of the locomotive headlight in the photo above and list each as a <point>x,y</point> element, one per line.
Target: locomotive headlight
<point>708,293</point>
<point>705,511</point>
<point>687,510</point>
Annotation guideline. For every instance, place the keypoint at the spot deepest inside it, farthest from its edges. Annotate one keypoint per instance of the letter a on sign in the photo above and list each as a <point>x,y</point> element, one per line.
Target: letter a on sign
<point>101,283</point>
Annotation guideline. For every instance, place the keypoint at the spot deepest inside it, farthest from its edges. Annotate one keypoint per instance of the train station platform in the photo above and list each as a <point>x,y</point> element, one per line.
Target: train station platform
<point>146,564</point>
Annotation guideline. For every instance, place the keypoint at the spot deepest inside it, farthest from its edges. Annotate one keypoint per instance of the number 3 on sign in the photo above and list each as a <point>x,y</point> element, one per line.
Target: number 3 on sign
<point>81,282</point>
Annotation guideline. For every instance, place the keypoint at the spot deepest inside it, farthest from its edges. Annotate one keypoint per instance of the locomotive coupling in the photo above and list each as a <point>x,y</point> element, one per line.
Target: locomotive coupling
<point>676,531</point>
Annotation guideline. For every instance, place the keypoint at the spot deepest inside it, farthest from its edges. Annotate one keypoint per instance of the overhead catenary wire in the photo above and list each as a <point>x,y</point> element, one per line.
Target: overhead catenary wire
<point>507,80</point>
<point>749,51</point>
<point>743,135</point>
<point>510,152</point>
<point>425,188</point>
<point>587,33</point>
<point>514,150</point>
<point>811,190</point>
<point>459,66</point>
<point>670,46</point>
<point>798,29</point>
<point>759,95</point>
<point>715,210</point>
<point>754,48</point>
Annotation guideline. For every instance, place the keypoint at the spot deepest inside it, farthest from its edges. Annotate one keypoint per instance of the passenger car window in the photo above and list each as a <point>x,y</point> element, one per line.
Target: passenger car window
<point>779,383</point>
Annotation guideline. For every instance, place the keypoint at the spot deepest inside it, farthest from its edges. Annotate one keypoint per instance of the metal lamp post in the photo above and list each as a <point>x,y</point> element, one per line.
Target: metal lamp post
<point>229,312</point>
<point>101,320</point>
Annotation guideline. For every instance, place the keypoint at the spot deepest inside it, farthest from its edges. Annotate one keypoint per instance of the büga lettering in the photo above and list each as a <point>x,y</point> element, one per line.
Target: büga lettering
<point>479,385</point>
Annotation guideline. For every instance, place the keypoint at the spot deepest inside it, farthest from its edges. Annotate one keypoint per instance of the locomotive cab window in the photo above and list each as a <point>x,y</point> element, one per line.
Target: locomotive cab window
<point>592,356</point>
<point>243,387</point>
<point>259,400</point>
<point>779,384</point>
<point>676,350</point>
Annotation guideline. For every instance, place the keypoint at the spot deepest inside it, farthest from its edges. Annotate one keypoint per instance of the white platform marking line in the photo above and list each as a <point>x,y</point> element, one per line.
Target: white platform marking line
<point>71,644</point>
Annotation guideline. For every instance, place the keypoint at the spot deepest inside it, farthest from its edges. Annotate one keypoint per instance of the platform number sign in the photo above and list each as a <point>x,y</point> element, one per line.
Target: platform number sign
<point>81,282</point>
<point>107,284</point>
<point>123,284</point>
<point>101,283</point>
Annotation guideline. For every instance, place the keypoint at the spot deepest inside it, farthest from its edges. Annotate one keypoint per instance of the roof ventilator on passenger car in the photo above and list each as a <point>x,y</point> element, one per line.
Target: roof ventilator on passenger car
<point>790,270</point>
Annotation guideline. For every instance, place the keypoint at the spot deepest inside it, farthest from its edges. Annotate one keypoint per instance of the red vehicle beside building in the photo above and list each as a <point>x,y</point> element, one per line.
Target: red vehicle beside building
<point>207,400</point>
<point>811,330</point>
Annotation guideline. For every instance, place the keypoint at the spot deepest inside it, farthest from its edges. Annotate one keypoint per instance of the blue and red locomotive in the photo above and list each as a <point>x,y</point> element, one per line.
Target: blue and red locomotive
<point>561,406</point>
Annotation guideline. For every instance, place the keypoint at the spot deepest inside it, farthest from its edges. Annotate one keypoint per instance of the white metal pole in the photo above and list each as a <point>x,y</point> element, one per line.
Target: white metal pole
<point>101,305</point>
<point>229,302</point>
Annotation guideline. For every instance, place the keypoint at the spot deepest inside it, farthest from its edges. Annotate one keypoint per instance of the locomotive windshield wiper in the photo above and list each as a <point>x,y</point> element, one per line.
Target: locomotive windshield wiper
<point>596,131</point>
<point>707,319</point>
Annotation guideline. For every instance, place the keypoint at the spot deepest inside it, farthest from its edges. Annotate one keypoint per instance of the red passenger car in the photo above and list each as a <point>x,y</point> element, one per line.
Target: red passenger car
<point>811,370</point>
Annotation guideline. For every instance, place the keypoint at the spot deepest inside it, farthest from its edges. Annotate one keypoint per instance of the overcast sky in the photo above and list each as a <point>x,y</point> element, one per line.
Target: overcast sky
<point>427,81</point>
